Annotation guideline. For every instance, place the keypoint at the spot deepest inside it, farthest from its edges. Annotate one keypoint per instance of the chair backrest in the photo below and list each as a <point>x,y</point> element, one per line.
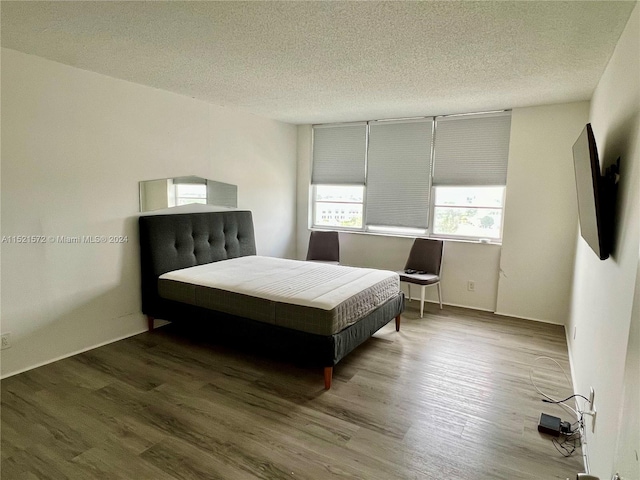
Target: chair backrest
<point>426,255</point>
<point>324,246</point>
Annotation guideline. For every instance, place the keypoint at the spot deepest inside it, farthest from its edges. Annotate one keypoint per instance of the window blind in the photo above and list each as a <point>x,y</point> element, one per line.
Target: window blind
<point>339,153</point>
<point>472,150</point>
<point>398,170</point>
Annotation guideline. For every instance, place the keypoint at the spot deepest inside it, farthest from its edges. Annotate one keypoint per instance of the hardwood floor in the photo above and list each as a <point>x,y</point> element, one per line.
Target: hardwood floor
<point>447,397</point>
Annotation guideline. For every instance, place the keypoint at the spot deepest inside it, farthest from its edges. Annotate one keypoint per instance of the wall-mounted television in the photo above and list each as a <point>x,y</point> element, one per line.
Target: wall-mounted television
<point>596,194</point>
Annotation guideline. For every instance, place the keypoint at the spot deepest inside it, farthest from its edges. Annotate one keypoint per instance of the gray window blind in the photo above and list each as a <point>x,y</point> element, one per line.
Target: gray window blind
<point>398,169</point>
<point>472,150</point>
<point>339,154</point>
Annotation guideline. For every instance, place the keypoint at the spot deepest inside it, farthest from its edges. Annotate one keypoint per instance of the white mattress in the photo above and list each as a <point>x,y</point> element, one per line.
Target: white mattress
<point>345,293</point>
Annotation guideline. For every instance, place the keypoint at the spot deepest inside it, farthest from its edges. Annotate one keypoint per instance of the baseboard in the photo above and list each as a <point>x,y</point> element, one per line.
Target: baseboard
<point>450,305</point>
<point>67,355</point>
<point>533,319</point>
<point>583,432</point>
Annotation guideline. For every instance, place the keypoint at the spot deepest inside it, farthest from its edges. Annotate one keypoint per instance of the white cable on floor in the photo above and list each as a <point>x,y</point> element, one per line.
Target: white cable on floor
<point>578,414</point>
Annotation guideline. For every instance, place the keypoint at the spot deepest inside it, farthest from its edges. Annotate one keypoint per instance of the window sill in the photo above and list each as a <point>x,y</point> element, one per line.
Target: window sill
<point>402,235</point>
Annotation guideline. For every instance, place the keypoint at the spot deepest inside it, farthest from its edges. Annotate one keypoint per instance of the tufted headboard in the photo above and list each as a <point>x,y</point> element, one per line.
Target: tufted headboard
<point>175,241</point>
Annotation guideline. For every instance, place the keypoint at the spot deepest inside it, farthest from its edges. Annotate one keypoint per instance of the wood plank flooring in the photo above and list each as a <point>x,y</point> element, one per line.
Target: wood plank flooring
<point>447,397</point>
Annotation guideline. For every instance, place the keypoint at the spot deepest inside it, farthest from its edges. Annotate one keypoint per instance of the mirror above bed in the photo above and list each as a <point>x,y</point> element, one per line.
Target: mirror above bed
<point>172,192</point>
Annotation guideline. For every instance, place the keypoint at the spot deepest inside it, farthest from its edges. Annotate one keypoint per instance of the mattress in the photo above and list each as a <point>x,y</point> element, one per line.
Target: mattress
<point>311,297</point>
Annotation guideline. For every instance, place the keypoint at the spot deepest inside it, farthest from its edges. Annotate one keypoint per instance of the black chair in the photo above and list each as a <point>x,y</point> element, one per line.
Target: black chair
<point>423,267</point>
<point>324,247</point>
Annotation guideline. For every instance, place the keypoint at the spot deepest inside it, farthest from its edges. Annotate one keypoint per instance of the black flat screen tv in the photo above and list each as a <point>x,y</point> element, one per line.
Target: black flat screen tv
<point>596,194</point>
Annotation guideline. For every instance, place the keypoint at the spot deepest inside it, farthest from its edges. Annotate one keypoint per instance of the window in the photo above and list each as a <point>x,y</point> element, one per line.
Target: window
<point>398,171</point>
<point>470,174</point>
<point>442,176</point>
<point>339,154</point>
<point>338,206</point>
<point>465,212</point>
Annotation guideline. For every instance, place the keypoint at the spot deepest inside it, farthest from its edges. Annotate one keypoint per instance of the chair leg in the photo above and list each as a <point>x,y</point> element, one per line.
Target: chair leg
<point>422,289</point>
<point>439,295</point>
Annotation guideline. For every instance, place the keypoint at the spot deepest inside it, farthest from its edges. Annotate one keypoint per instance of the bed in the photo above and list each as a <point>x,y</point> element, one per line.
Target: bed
<point>203,268</point>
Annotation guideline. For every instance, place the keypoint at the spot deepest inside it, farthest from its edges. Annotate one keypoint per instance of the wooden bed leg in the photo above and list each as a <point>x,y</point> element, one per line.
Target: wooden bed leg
<point>328,375</point>
<point>398,322</point>
<point>150,324</point>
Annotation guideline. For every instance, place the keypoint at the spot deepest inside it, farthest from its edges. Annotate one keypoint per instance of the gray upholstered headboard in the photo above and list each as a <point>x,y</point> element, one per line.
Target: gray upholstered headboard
<point>175,241</point>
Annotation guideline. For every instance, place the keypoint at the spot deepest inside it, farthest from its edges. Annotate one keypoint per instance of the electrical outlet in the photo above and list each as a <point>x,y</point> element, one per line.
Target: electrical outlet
<point>592,409</point>
<point>471,286</point>
<point>5,340</point>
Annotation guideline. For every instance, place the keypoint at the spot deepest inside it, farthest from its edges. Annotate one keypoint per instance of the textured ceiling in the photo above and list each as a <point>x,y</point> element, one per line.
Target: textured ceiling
<point>316,62</point>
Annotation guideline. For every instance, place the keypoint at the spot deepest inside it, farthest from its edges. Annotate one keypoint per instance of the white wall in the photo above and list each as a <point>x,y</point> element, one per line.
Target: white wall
<point>304,156</point>
<point>541,216</point>
<point>75,144</point>
<point>628,442</point>
<point>603,291</point>
<point>462,261</point>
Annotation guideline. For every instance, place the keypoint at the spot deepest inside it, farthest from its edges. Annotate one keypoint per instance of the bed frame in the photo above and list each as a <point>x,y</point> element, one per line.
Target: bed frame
<point>175,241</point>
